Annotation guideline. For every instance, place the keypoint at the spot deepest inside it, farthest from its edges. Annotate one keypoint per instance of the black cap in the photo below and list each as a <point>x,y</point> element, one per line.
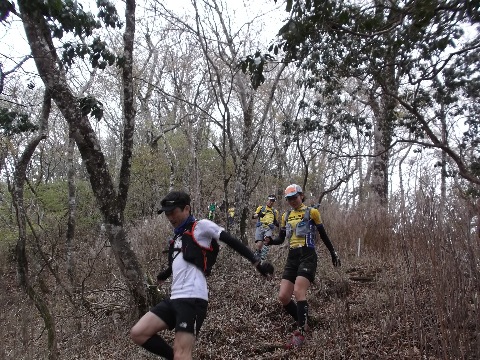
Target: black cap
<point>272,197</point>
<point>173,200</point>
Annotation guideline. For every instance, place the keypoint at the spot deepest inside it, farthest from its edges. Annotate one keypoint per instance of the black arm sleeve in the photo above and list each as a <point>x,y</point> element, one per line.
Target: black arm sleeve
<point>325,239</point>
<point>237,245</point>
<point>280,238</point>
<point>165,274</point>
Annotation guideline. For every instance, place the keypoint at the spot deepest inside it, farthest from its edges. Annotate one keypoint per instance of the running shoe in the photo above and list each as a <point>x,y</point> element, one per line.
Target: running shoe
<point>296,340</point>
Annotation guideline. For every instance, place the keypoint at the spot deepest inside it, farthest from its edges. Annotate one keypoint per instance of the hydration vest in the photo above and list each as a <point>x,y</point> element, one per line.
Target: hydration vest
<point>302,228</point>
<point>202,257</point>
<point>262,210</point>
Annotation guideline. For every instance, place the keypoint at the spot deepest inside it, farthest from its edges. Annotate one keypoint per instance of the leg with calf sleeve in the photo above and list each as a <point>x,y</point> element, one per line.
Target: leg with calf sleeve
<point>302,314</point>
<point>292,309</point>
<point>158,346</point>
<point>264,252</point>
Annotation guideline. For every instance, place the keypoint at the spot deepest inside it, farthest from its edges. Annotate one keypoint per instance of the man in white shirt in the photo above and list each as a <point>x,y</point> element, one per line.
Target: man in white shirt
<point>186,308</point>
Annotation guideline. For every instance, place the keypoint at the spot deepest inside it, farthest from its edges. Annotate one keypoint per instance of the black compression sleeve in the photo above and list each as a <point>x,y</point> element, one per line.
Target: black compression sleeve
<point>165,274</point>
<point>325,239</point>
<point>158,346</point>
<point>237,245</point>
<point>280,238</point>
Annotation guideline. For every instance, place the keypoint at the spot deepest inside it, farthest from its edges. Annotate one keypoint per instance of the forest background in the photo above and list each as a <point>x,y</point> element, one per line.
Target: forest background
<point>371,107</point>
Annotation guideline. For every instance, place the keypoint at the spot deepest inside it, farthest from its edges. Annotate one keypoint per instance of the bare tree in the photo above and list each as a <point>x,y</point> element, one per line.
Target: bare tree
<point>20,250</point>
<point>111,201</point>
<point>243,132</point>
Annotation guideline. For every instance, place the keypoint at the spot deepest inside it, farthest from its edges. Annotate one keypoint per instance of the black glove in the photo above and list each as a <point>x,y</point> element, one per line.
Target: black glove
<point>265,268</point>
<point>336,259</point>
<point>267,240</point>
<point>261,214</point>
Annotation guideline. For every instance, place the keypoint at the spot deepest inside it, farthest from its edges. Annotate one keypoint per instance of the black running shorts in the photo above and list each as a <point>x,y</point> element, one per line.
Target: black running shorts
<point>182,314</point>
<point>300,262</point>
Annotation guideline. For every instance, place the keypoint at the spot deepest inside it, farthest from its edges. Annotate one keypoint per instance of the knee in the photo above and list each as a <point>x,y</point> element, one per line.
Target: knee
<point>284,299</point>
<point>136,335</point>
<point>182,351</point>
<point>300,294</point>
<point>179,354</point>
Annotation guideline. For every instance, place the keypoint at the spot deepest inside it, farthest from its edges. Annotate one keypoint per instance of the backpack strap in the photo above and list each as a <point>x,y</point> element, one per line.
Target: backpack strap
<point>262,210</point>
<point>171,251</point>
<point>287,214</point>
<point>204,257</point>
<point>191,231</point>
<point>306,216</point>
<point>273,212</point>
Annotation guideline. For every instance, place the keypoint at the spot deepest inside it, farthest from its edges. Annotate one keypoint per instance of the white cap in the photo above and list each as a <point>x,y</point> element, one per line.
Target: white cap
<point>293,190</point>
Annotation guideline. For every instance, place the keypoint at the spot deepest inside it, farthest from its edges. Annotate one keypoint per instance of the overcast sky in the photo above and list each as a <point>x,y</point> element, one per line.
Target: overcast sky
<point>14,47</point>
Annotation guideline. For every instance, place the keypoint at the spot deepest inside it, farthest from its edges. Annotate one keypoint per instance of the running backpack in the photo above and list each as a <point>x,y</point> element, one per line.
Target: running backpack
<point>202,257</point>
<point>262,210</point>
<point>306,216</point>
<point>301,228</point>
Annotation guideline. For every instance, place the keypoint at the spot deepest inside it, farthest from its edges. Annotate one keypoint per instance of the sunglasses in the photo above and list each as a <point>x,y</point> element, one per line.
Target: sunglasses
<point>293,197</point>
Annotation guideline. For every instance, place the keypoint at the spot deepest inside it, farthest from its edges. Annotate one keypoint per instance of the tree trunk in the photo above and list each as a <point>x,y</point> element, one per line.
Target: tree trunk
<point>443,184</point>
<point>382,142</point>
<point>478,219</point>
<point>384,112</point>
<point>111,203</point>
<point>20,250</point>
<point>70,236</point>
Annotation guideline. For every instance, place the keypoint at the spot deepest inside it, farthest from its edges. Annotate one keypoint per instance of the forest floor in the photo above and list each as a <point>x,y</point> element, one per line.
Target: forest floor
<point>352,316</point>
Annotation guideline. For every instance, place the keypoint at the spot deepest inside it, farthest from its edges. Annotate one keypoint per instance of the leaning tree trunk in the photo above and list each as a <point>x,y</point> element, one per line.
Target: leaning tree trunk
<point>20,250</point>
<point>111,202</point>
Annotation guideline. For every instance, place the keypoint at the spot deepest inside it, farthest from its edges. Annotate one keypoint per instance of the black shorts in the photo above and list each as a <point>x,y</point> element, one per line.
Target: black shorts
<point>300,262</point>
<point>182,314</point>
